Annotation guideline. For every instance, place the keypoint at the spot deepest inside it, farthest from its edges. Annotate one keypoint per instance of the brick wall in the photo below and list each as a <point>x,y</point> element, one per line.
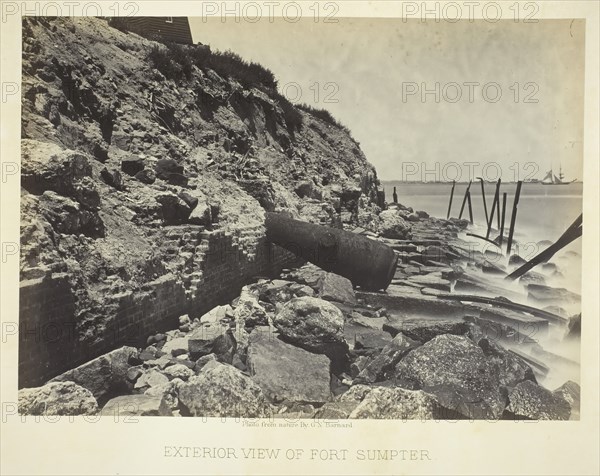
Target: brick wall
<point>213,273</point>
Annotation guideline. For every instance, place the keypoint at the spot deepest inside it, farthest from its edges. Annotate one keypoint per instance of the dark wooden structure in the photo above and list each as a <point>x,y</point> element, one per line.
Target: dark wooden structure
<point>176,29</point>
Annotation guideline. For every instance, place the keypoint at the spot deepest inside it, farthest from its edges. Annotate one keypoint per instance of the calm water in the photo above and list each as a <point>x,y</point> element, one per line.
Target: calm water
<point>544,212</point>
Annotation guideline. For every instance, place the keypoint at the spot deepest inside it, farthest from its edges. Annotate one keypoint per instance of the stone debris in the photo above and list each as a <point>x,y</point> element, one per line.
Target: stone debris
<point>530,401</point>
<point>136,405</point>
<point>141,215</point>
<point>57,398</point>
<point>287,373</point>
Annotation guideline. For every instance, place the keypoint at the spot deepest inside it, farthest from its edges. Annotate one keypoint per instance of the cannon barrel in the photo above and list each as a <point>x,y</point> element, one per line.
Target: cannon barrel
<point>367,263</point>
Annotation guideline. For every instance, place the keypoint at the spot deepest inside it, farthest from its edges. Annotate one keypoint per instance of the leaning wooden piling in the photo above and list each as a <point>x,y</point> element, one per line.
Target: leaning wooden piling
<point>513,217</point>
<point>462,207</point>
<point>450,202</point>
<point>571,234</point>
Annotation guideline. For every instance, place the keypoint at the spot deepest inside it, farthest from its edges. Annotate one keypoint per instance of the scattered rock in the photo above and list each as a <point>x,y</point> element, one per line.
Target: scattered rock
<point>397,404</point>
<point>112,177</point>
<point>132,165</point>
<point>176,346</point>
<point>146,176</point>
<point>166,169</point>
<point>173,209</point>
<point>224,347</point>
<point>202,361</point>
<point>531,277</point>
<point>201,339</point>
<point>335,411</point>
<point>134,373</point>
<point>178,371</point>
<point>104,376</point>
<point>457,372</point>
<point>314,324</point>
<point>285,372</point>
<point>516,260</point>
<point>379,366</point>
<point>137,405</point>
<point>223,391</point>
<point>394,226</point>
<point>512,370</point>
<point>279,291</point>
<point>571,392</point>
<point>151,378</point>
<point>57,398</point>
<point>574,327</point>
<point>336,288</point>
<point>530,401</point>
<point>216,314</point>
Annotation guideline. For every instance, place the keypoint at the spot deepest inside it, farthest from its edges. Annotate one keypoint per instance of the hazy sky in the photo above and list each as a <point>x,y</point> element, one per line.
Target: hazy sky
<point>377,70</point>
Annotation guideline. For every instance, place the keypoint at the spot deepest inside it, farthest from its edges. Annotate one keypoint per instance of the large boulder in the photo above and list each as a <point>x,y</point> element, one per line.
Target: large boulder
<point>222,391</point>
<point>530,401</point>
<point>285,372</point>
<point>311,323</point>
<point>457,372</point>
<point>394,226</point>
<point>137,405</point>
<point>104,376</point>
<point>336,288</point>
<point>397,404</point>
<point>57,398</point>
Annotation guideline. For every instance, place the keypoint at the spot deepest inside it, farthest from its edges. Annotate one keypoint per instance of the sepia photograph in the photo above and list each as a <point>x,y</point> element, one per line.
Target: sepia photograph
<point>287,218</point>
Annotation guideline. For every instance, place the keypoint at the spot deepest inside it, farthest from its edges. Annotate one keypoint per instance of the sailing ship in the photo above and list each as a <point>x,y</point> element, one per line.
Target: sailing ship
<point>551,179</point>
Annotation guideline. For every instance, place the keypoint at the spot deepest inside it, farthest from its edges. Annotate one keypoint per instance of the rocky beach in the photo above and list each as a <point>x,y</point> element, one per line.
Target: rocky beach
<point>147,173</point>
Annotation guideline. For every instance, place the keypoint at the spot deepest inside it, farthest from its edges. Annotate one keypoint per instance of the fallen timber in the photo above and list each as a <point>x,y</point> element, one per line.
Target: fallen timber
<point>367,263</point>
<point>571,234</point>
<point>505,303</point>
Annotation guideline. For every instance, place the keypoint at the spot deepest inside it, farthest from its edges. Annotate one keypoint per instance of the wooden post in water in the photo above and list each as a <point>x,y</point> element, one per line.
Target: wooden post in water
<point>513,217</point>
<point>470,207</point>
<point>450,202</point>
<point>501,237</point>
<point>462,207</point>
<point>484,202</point>
<point>495,204</point>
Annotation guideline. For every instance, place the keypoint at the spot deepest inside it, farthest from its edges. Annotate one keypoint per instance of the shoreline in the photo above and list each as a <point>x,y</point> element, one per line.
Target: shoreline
<point>240,344</point>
